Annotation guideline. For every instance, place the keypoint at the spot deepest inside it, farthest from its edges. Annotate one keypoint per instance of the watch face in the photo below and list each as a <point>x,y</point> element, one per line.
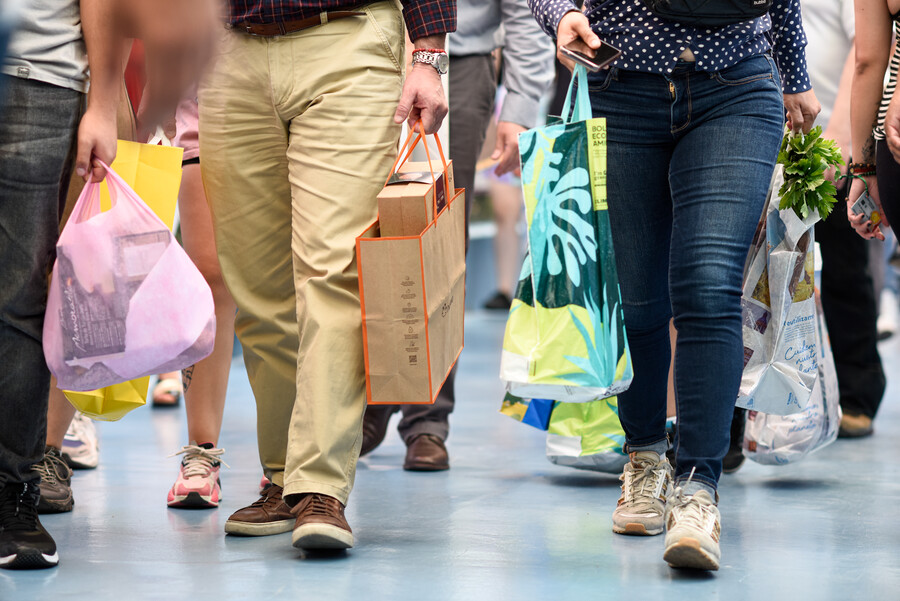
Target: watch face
<point>443,63</point>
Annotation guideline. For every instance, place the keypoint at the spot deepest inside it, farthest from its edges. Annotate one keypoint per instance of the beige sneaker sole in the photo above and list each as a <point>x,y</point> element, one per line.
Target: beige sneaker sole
<point>321,536</point>
<point>264,529</point>
<point>687,553</point>
<point>636,529</point>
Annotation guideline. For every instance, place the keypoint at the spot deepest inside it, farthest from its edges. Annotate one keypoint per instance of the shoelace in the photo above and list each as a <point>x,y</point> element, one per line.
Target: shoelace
<point>638,481</point>
<point>18,512</point>
<point>198,461</point>
<point>271,495</point>
<point>52,468</point>
<point>322,505</point>
<point>690,511</point>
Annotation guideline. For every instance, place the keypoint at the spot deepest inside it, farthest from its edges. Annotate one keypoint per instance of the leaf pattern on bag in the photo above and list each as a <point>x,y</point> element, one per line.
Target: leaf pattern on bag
<point>562,232</point>
<point>603,363</point>
<point>570,235</point>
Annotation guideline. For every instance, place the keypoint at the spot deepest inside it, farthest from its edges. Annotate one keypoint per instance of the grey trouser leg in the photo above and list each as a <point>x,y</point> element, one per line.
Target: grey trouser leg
<point>472,88</point>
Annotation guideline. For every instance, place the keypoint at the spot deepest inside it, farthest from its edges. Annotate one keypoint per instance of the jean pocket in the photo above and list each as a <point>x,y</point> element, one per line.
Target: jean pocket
<point>755,68</point>
<point>599,82</point>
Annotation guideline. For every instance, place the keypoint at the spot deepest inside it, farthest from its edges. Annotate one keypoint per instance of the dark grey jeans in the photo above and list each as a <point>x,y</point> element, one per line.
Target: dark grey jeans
<point>471,90</point>
<point>37,145</point>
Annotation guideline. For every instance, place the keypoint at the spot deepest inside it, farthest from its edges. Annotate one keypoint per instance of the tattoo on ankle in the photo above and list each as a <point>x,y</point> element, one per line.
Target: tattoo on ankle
<point>187,374</point>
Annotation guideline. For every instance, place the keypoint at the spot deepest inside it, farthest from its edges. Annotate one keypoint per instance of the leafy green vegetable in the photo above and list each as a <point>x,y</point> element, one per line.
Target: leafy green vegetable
<point>806,159</point>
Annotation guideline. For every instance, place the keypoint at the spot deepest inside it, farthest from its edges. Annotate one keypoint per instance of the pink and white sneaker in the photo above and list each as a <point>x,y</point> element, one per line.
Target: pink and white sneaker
<point>198,483</point>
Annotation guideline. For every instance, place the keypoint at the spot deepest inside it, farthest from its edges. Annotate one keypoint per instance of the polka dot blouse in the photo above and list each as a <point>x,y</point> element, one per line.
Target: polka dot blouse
<point>652,44</point>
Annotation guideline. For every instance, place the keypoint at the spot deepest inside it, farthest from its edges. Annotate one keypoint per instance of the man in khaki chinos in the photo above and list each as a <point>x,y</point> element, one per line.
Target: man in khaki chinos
<point>299,124</point>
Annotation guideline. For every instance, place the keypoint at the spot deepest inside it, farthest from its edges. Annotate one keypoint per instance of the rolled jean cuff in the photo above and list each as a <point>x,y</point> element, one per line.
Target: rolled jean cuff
<point>660,447</point>
<point>696,484</point>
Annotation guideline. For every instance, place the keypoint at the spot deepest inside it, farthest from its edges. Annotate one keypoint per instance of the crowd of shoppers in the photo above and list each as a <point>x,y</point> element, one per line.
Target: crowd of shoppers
<point>297,118</point>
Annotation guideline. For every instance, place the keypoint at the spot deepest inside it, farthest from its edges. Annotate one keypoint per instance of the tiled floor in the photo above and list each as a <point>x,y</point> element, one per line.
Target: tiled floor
<point>503,523</point>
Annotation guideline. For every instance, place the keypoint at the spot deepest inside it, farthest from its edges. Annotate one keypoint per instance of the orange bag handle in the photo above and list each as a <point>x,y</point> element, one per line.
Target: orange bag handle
<point>408,147</point>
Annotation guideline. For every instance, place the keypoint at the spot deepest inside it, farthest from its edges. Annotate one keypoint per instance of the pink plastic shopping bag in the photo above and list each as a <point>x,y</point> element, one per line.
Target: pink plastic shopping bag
<point>125,300</point>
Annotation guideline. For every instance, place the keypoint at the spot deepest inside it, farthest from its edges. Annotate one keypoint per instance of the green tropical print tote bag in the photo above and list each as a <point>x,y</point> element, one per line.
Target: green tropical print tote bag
<point>565,336</point>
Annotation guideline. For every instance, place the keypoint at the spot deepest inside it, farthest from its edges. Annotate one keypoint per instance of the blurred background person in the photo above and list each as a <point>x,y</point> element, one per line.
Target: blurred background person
<point>848,292</point>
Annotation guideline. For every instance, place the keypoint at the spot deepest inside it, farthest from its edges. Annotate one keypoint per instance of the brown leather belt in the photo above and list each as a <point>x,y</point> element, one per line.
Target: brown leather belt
<point>286,27</point>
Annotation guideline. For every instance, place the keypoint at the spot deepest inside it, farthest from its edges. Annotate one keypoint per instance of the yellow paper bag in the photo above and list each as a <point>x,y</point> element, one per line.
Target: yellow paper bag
<point>154,172</point>
<point>112,402</point>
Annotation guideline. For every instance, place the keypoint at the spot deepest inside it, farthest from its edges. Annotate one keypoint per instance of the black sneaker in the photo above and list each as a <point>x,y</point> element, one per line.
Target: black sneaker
<point>734,458</point>
<point>24,544</point>
<point>56,482</point>
<point>499,301</point>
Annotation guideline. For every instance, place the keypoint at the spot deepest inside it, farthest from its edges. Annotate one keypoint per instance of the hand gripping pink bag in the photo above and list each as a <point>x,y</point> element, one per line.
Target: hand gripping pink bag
<point>125,300</point>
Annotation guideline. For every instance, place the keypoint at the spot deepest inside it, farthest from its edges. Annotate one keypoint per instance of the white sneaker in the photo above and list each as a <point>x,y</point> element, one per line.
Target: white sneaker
<point>81,446</point>
<point>645,482</point>
<point>888,315</point>
<point>692,531</point>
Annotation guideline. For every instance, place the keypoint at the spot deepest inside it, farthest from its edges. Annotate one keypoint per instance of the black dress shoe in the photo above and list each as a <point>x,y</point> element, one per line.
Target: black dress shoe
<point>499,301</point>
<point>375,423</point>
<point>426,453</point>
<point>734,458</point>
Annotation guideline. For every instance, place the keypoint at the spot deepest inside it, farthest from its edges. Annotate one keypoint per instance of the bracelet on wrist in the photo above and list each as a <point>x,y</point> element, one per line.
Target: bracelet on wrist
<point>862,168</point>
<point>860,177</point>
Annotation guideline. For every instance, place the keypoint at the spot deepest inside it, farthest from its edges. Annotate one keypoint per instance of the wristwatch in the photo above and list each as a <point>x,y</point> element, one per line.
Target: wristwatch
<point>434,57</point>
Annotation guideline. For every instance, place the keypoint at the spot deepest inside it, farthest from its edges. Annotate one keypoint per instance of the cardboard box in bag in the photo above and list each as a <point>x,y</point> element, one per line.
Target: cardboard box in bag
<point>406,203</point>
<point>412,293</point>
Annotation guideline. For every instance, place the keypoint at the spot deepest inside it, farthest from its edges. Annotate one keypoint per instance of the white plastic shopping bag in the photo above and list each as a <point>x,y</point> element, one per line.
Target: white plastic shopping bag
<point>779,439</point>
<point>779,311</point>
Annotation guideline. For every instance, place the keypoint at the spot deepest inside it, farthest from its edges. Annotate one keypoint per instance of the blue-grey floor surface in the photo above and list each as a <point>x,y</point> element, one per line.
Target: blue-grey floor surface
<point>503,523</point>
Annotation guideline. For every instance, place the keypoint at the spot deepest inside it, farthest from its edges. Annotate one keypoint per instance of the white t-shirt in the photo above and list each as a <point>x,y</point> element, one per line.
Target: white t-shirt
<point>47,44</point>
<point>829,31</point>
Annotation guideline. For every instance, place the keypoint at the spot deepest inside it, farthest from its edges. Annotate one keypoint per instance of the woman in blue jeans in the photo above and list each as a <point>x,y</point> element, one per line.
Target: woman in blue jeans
<point>695,117</point>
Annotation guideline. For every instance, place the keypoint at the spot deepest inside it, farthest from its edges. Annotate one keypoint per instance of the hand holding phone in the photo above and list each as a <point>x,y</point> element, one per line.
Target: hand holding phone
<point>603,56</point>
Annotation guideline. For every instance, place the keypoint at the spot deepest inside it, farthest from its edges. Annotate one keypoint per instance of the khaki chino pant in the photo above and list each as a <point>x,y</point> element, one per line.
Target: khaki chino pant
<point>297,138</point>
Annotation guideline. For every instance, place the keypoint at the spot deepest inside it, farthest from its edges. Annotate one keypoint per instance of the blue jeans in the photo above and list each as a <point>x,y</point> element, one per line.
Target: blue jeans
<point>37,144</point>
<point>690,157</point>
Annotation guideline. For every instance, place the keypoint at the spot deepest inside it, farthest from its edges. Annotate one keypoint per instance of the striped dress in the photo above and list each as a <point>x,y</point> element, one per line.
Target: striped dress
<point>892,80</point>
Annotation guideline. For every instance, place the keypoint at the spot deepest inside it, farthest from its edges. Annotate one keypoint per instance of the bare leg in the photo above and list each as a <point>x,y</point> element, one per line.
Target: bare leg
<point>507,203</point>
<point>206,382</point>
<point>59,415</point>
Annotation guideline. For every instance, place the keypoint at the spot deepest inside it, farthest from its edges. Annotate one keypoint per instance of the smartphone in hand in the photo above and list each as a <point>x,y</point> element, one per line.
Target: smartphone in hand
<point>605,54</point>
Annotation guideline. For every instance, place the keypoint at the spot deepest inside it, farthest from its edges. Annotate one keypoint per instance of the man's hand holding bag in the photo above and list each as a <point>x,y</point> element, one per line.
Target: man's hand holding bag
<point>412,287</point>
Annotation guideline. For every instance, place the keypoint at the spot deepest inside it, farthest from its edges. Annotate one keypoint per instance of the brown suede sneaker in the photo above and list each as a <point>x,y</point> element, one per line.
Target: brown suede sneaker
<point>321,523</point>
<point>267,515</point>
<point>426,453</point>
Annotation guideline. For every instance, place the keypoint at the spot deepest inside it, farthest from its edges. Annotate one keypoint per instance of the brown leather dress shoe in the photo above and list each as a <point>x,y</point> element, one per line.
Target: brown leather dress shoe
<point>321,524</point>
<point>375,423</point>
<point>855,426</point>
<point>267,515</point>
<point>426,453</point>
